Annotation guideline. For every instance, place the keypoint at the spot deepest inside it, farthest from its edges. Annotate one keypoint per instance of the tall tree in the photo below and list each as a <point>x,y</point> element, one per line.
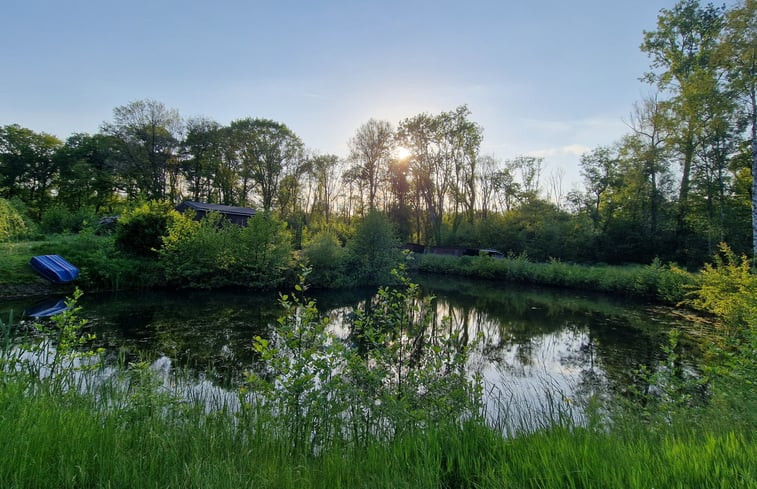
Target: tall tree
<point>529,169</point>
<point>202,155</point>
<point>464,140</point>
<point>599,168</point>
<point>324,172</point>
<point>149,134</point>
<point>443,150</point>
<point>87,177</point>
<point>371,150</point>
<point>649,123</point>
<point>27,166</point>
<point>740,57</point>
<point>683,49</point>
<point>269,151</point>
<point>488,166</point>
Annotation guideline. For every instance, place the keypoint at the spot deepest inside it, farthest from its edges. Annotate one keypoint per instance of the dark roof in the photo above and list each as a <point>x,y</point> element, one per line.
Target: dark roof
<point>223,209</point>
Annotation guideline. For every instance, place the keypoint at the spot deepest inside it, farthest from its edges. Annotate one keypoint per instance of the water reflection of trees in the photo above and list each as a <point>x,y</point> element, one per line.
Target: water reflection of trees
<point>524,332</point>
<point>593,341</point>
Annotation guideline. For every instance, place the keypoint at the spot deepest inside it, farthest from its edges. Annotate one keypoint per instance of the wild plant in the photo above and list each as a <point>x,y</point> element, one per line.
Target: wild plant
<point>662,392</point>
<point>300,383</point>
<point>67,340</point>
<point>400,372</point>
<point>408,372</point>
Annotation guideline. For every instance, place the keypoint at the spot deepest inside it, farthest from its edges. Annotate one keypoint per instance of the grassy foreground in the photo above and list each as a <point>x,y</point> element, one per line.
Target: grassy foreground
<point>54,440</point>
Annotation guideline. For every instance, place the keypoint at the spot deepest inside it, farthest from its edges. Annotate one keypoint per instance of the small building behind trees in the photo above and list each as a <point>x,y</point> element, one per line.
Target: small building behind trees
<point>237,215</point>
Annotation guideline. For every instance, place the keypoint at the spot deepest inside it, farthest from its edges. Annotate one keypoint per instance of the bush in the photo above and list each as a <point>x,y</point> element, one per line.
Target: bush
<point>373,252</point>
<point>59,219</point>
<point>140,230</point>
<point>11,223</point>
<point>215,253</point>
<point>326,258</point>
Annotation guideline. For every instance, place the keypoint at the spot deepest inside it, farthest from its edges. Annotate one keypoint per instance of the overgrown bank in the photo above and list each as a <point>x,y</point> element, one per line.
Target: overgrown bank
<point>656,281</point>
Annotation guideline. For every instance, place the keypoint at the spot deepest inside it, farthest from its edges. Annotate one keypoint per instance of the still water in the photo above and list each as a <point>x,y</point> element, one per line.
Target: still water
<point>535,344</point>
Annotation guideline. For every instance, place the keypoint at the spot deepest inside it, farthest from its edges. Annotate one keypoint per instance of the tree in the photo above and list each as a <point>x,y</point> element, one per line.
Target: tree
<point>201,164</point>
<point>529,169</point>
<point>600,171</point>
<point>27,166</point>
<point>373,251</point>
<point>683,48</point>
<point>443,152</point>
<point>148,134</point>
<point>87,177</point>
<point>269,151</point>
<point>324,172</point>
<point>464,139</point>
<point>371,150</point>
<point>739,53</point>
<point>649,124</point>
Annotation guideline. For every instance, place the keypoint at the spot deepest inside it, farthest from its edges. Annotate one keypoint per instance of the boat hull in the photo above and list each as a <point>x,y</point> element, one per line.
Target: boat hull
<point>54,268</point>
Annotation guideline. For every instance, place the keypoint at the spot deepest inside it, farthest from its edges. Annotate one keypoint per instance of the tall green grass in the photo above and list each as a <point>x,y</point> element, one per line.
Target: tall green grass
<point>73,440</point>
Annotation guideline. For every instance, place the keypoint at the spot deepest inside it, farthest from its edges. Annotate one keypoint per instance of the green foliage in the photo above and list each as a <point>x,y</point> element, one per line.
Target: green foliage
<point>140,230</point>
<point>11,223</point>
<point>58,219</point>
<point>668,391</point>
<point>407,374</point>
<point>102,265</point>
<point>656,281</point>
<point>69,341</point>
<point>373,251</point>
<point>728,289</point>
<point>326,257</point>
<point>402,375</point>
<point>302,379</point>
<point>216,253</point>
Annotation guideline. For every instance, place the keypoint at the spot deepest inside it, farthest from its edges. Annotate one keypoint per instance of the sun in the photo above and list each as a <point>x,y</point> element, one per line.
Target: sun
<point>402,153</point>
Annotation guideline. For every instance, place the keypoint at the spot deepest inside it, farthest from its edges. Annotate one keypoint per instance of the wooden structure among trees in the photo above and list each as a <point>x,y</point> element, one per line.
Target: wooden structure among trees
<point>237,215</point>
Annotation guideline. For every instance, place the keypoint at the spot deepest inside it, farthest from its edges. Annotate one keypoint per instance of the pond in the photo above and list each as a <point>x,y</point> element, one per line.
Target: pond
<point>536,344</point>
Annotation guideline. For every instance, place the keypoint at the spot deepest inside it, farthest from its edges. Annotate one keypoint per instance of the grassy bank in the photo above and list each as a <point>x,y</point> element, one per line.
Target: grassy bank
<point>102,266</point>
<point>655,281</point>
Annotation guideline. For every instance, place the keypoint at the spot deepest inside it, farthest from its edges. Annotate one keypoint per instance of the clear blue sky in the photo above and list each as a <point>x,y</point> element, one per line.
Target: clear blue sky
<point>552,78</point>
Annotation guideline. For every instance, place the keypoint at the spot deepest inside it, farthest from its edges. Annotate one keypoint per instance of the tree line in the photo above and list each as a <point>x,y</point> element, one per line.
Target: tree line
<point>675,186</point>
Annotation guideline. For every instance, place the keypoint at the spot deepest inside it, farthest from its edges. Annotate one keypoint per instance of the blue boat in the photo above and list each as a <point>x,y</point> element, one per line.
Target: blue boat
<point>54,268</point>
<point>46,308</point>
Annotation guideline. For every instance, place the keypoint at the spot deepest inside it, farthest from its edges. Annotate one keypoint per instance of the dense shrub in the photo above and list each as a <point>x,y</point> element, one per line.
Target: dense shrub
<point>216,253</point>
<point>541,230</point>
<point>59,219</point>
<point>326,257</point>
<point>140,230</point>
<point>373,251</point>
<point>11,223</point>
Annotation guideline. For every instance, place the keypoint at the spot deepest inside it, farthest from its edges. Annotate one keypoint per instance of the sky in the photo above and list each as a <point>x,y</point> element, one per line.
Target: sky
<point>543,78</point>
